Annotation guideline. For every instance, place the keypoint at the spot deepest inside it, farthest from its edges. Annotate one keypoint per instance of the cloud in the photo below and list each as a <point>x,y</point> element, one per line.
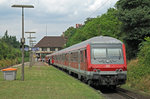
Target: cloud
<point>101,4</point>
<point>2,1</point>
<point>96,4</point>
<point>61,6</point>
<point>57,14</point>
<point>58,10</point>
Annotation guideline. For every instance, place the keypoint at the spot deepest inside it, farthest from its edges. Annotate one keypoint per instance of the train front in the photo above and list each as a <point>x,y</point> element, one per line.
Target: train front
<point>107,64</point>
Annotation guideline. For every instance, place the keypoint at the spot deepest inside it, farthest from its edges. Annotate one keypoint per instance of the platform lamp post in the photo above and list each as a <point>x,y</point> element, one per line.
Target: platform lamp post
<point>30,47</point>
<point>22,39</point>
<point>32,54</point>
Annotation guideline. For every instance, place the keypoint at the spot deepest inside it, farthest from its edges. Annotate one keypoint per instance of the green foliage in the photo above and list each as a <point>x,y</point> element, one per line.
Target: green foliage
<point>144,54</point>
<point>10,40</point>
<point>10,52</point>
<point>135,16</point>
<point>139,71</point>
<point>68,34</point>
<point>106,25</point>
<point>7,62</point>
<point>143,66</point>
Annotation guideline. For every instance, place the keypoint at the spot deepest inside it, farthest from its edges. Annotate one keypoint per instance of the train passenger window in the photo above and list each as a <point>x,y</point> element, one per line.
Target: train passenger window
<point>58,57</point>
<point>75,56</point>
<point>81,56</point>
<point>66,57</point>
<point>85,54</point>
<point>98,53</point>
<point>71,57</point>
<point>63,57</point>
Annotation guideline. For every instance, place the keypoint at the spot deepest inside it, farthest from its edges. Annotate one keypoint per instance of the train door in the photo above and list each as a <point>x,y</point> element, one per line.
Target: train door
<point>69,62</point>
<point>79,66</point>
<point>79,60</point>
<point>85,60</point>
<point>69,59</point>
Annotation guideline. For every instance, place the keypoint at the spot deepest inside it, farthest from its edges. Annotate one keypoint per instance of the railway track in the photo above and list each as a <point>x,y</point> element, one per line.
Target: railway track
<point>120,93</point>
<point>124,93</point>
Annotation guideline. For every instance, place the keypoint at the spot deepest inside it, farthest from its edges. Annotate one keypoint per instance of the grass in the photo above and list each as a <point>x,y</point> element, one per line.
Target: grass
<point>45,82</point>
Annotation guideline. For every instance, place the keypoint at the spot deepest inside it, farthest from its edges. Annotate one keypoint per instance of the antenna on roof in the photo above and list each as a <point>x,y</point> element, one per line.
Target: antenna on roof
<point>46,29</point>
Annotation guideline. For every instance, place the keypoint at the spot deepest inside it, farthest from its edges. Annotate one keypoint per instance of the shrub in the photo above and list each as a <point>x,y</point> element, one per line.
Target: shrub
<point>139,71</point>
<point>8,62</point>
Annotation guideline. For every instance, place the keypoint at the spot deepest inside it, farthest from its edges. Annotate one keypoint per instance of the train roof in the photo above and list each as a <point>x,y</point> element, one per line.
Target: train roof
<point>94,40</point>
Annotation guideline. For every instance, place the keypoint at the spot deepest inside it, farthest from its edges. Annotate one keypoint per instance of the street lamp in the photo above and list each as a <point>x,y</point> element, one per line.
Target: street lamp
<point>23,39</point>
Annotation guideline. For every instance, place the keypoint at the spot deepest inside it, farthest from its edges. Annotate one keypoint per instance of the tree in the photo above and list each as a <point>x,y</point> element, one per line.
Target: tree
<point>9,47</point>
<point>68,34</point>
<point>105,25</point>
<point>10,40</point>
<point>135,18</point>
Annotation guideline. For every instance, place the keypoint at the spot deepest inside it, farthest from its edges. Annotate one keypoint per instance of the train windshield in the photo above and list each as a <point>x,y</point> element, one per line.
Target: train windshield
<point>114,53</point>
<point>99,53</point>
<point>108,55</point>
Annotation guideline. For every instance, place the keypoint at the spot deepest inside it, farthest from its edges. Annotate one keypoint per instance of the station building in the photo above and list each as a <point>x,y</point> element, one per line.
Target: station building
<point>49,44</point>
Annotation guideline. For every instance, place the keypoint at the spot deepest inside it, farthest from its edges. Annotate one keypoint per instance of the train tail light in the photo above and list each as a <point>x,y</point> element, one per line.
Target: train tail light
<point>94,70</point>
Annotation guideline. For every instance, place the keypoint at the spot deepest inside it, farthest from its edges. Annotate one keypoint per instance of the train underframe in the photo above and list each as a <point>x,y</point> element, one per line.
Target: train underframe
<point>106,80</point>
<point>111,79</point>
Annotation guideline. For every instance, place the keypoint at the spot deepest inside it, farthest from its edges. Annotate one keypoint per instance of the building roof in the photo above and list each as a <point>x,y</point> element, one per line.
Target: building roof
<point>51,41</point>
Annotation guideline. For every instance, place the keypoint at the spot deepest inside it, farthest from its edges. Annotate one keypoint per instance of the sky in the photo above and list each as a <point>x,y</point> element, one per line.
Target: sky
<point>48,17</point>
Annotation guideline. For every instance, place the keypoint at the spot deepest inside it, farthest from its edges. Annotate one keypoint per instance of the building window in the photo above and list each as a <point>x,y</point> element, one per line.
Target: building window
<point>59,48</point>
<point>44,49</point>
<point>52,49</point>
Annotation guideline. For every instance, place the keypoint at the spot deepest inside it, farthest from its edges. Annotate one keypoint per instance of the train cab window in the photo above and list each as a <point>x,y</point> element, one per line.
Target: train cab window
<point>108,55</point>
<point>99,53</point>
<point>115,53</point>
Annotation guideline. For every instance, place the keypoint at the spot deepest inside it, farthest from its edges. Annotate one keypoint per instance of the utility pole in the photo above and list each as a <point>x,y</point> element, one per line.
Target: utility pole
<point>22,39</point>
<point>30,47</point>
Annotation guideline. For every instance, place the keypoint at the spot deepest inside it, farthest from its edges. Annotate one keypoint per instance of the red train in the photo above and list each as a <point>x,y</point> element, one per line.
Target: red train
<point>98,61</point>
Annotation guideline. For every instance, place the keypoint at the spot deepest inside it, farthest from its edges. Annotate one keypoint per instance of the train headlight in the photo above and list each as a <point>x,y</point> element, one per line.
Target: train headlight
<point>120,70</point>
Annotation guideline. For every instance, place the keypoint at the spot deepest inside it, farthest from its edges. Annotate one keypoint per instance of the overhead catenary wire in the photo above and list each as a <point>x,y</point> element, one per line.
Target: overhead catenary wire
<point>97,9</point>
